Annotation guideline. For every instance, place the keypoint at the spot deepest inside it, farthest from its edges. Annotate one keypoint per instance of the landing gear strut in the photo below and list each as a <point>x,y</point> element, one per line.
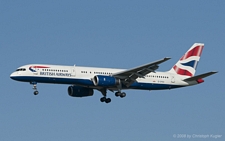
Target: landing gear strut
<point>35,88</point>
<point>119,93</point>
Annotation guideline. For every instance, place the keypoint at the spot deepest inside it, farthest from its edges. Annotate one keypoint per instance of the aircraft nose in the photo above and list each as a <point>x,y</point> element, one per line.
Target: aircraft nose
<point>13,76</point>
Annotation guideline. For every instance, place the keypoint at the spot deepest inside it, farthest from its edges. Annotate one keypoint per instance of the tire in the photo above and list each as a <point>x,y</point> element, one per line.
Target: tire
<point>117,94</point>
<point>103,99</point>
<point>108,100</point>
<point>36,92</point>
<point>123,95</point>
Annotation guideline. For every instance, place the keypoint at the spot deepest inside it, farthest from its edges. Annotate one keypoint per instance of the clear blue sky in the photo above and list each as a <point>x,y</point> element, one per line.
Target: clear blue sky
<point>115,34</point>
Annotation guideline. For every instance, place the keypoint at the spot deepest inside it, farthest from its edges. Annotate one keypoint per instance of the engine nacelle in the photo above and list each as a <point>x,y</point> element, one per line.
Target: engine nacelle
<point>77,91</point>
<point>107,81</point>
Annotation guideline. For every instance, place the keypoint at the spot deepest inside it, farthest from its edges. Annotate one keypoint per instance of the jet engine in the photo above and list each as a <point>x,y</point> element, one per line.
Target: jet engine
<point>107,81</point>
<point>77,91</point>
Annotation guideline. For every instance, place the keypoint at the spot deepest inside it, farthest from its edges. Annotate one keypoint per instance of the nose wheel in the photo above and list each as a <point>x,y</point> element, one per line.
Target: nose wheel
<point>35,88</point>
<point>36,92</point>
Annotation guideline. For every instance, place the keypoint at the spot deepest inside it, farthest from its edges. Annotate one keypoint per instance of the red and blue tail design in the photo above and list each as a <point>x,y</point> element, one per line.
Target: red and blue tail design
<point>187,65</point>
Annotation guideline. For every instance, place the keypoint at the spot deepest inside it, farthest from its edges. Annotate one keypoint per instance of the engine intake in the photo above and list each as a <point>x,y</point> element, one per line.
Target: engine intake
<point>77,91</point>
<point>107,81</point>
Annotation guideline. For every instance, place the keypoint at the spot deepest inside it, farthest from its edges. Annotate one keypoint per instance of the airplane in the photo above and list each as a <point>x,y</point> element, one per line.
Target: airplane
<point>84,80</point>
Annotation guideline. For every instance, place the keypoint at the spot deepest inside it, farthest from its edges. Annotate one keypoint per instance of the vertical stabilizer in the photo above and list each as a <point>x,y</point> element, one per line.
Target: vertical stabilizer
<point>187,65</point>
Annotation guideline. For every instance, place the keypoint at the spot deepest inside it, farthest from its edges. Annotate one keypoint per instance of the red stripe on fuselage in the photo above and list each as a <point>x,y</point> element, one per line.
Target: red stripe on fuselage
<point>39,67</point>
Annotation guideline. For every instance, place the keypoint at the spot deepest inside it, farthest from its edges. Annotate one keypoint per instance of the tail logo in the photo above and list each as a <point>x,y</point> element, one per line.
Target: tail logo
<point>188,63</point>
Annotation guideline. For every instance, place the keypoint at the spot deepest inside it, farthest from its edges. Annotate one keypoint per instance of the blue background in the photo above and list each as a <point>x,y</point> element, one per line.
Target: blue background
<point>114,34</point>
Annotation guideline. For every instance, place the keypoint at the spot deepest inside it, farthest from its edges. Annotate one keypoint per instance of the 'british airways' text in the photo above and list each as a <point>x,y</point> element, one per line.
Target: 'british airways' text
<point>55,74</point>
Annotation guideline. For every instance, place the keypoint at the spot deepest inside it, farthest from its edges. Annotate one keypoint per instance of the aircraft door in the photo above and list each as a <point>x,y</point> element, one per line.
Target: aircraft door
<point>73,71</point>
<point>172,79</point>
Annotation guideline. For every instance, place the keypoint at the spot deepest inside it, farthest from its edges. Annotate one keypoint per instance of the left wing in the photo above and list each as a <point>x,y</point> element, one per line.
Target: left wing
<point>129,76</point>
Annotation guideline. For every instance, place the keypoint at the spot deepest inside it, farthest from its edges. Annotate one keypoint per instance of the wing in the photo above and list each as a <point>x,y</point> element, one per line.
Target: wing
<point>129,76</point>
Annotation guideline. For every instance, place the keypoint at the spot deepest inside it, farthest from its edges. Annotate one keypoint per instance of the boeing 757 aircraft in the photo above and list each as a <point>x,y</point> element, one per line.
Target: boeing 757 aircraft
<point>84,80</point>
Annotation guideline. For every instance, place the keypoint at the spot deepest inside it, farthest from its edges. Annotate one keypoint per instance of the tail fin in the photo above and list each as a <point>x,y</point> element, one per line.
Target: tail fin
<point>187,65</point>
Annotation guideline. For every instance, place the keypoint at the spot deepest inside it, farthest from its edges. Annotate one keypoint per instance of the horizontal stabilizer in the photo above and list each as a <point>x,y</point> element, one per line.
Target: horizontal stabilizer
<point>200,76</point>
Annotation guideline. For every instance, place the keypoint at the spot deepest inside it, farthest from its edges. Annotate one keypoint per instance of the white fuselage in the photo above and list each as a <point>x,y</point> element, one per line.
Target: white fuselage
<point>82,76</point>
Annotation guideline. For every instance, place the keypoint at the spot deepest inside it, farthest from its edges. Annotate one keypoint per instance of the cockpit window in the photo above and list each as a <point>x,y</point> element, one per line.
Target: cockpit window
<point>21,69</point>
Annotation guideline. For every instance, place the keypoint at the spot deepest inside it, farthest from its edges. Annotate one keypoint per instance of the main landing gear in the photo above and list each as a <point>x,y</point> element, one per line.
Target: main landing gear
<point>35,88</point>
<point>122,95</point>
<point>104,99</point>
<point>108,100</point>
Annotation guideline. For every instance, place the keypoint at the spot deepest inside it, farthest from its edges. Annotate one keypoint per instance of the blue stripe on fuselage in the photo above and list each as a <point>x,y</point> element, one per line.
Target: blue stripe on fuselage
<point>53,80</point>
<point>152,86</point>
<point>87,82</point>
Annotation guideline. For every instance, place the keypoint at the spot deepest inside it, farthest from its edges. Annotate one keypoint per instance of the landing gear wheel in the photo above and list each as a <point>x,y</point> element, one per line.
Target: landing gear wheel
<point>123,95</point>
<point>103,99</point>
<point>117,94</point>
<point>108,100</point>
<point>36,92</point>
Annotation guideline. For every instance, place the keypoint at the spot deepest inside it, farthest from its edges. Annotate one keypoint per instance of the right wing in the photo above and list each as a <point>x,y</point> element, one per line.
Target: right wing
<point>129,76</point>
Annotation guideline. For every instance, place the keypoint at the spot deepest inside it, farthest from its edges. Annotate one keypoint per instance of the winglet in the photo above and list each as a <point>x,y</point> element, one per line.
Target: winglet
<point>167,58</point>
<point>162,60</point>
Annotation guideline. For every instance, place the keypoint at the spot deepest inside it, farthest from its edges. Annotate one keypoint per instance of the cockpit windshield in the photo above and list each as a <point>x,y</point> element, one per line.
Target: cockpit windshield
<point>21,69</point>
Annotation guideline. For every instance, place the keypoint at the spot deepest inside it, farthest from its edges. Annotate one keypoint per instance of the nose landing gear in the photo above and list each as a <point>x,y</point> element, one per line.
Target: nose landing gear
<point>35,88</point>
